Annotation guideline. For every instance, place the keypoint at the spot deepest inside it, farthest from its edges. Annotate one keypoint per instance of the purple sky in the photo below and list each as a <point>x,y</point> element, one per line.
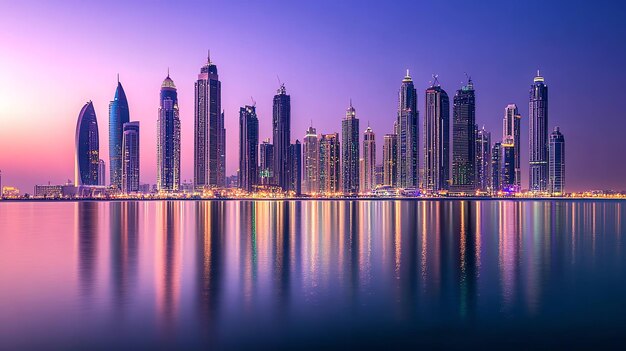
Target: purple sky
<point>54,56</point>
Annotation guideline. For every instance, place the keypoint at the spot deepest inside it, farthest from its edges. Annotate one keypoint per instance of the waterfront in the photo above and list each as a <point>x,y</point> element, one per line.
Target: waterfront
<point>312,274</point>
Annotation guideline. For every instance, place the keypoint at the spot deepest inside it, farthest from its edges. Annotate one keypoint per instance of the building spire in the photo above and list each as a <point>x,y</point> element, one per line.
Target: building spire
<point>168,72</point>
<point>208,56</point>
<point>118,78</point>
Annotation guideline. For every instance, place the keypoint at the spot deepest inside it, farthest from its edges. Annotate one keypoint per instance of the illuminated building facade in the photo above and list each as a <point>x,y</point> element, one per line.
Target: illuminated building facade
<point>281,126</point>
<point>248,148</point>
<point>538,135</point>
<point>511,135</point>
<point>130,157</point>
<point>168,139</point>
<point>557,162</point>
<point>436,139</point>
<point>407,130</point>
<point>118,115</point>
<point>368,168</point>
<point>464,140</point>
<point>330,171</point>
<point>350,152</point>
<point>390,160</point>
<point>311,162</point>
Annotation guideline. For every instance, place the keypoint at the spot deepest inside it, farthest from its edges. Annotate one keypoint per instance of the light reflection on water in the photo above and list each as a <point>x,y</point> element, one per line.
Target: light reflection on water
<point>310,274</point>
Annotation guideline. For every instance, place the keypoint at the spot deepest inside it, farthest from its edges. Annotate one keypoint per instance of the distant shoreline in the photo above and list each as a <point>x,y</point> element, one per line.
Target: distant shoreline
<point>460,198</point>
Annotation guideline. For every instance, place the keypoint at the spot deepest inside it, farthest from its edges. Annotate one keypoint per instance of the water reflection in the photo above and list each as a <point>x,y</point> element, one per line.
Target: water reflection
<point>234,273</point>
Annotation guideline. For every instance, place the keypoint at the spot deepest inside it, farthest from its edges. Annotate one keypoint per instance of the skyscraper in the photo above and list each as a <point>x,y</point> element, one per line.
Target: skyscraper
<point>101,172</point>
<point>87,147</point>
<point>209,148</point>
<point>557,162</point>
<point>266,151</point>
<point>368,181</point>
<point>507,175</point>
<point>538,135</point>
<point>483,159</point>
<point>130,157</point>
<point>281,124</point>
<point>511,135</point>
<point>311,162</point>
<point>295,167</point>
<point>329,163</point>
<point>168,138</point>
<point>496,168</point>
<point>464,140</point>
<point>248,148</point>
<point>118,115</point>
<point>436,139</point>
<point>390,160</point>
<point>408,135</point>
<point>350,152</point>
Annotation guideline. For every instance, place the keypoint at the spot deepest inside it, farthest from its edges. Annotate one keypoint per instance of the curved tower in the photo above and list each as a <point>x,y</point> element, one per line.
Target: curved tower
<point>408,135</point>
<point>168,138</point>
<point>118,115</point>
<point>87,157</point>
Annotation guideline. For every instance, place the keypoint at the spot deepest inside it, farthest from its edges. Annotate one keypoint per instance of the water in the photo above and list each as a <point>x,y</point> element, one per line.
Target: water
<point>312,274</point>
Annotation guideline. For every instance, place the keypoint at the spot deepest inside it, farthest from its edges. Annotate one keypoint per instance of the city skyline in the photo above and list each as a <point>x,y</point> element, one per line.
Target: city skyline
<point>498,83</point>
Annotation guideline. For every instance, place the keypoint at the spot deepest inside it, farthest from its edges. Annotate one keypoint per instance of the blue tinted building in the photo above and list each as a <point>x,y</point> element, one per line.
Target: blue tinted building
<point>168,139</point>
<point>118,115</point>
<point>87,158</point>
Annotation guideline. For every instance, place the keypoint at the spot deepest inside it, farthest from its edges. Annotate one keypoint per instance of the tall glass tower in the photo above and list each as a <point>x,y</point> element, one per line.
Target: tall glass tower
<point>390,160</point>
<point>368,181</point>
<point>87,158</point>
<point>436,139</point>
<point>130,157</point>
<point>408,135</point>
<point>538,135</point>
<point>350,152</point>
<point>248,148</point>
<point>464,140</point>
<point>511,135</point>
<point>118,115</point>
<point>266,150</point>
<point>168,139</point>
<point>311,162</point>
<point>483,159</point>
<point>329,163</point>
<point>557,162</point>
<point>281,125</point>
<point>209,143</point>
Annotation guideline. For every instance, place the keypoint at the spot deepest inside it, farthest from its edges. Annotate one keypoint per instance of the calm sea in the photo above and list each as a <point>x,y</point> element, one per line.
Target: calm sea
<point>312,274</point>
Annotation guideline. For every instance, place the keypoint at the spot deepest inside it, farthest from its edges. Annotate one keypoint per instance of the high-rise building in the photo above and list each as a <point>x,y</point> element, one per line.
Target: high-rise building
<point>511,135</point>
<point>496,168</point>
<point>538,135</point>
<point>329,163</point>
<point>350,152</point>
<point>168,138</point>
<point>483,159</point>
<point>266,151</point>
<point>130,157</point>
<point>436,139</point>
<point>209,143</point>
<point>87,147</point>
<point>390,160</point>
<point>311,162</point>
<point>281,125</point>
<point>248,148</point>
<point>368,180</point>
<point>380,175</point>
<point>101,172</point>
<point>407,135</point>
<point>557,162</point>
<point>295,167</point>
<point>118,115</point>
<point>508,167</point>
<point>464,140</point>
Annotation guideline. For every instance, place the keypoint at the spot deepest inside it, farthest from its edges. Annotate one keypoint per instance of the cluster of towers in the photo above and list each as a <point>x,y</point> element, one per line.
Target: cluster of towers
<point>324,164</point>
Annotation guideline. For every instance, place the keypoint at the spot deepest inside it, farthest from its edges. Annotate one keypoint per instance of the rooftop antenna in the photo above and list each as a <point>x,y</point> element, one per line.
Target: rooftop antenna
<point>168,72</point>
<point>118,77</point>
<point>253,102</point>
<point>436,80</point>
<point>350,102</point>
<point>208,56</point>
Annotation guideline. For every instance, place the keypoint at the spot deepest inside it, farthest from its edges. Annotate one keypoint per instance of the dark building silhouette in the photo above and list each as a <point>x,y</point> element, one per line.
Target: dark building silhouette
<point>407,131</point>
<point>87,158</point>
<point>557,162</point>
<point>248,148</point>
<point>130,157</point>
<point>464,140</point>
<point>436,139</point>
<point>295,167</point>
<point>281,123</point>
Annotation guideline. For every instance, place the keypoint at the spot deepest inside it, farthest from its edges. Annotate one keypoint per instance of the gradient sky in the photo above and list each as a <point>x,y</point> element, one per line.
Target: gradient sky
<point>54,56</point>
